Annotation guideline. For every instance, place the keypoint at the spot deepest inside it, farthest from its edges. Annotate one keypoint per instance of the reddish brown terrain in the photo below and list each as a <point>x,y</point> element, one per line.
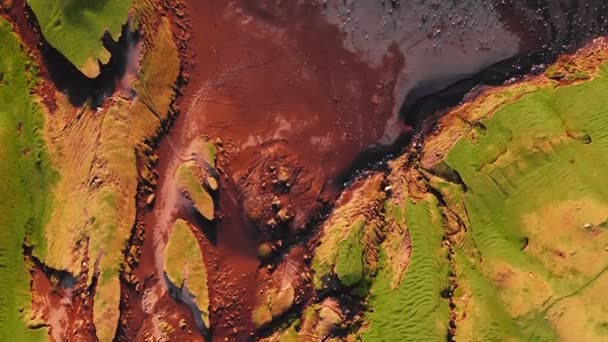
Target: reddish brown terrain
<point>291,99</point>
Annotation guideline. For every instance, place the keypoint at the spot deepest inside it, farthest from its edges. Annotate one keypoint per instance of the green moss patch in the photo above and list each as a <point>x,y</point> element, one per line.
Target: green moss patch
<point>535,200</point>
<point>25,181</point>
<point>415,310</point>
<point>185,267</point>
<point>75,28</point>
<point>189,182</point>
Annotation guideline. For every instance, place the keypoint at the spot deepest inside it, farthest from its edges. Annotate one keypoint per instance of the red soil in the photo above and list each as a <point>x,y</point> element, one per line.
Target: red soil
<point>283,94</point>
<point>294,108</point>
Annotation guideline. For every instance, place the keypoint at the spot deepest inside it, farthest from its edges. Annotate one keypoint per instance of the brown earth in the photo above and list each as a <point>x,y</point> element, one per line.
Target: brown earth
<point>295,108</point>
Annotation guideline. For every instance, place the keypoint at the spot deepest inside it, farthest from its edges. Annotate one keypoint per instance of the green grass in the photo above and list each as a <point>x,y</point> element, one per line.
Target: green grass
<point>75,28</point>
<point>343,252</point>
<point>204,151</point>
<point>188,180</point>
<point>415,310</point>
<point>104,146</point>
<point>525,160</point>
<point>349,261</point>
<point>184,266</point>
<point>25,179</point>
<point>536,158</point>
<point>490,320</point>
<point>348,247</point>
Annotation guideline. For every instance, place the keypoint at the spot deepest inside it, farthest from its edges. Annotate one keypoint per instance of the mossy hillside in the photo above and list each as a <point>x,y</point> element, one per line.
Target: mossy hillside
<point>25,181</point>
<point>485,316</point>
<point>415,310</point>
<point>275,302</point>
<point>156,78</point>
<point>527,260</point>
<point>135,122</point>
<point>320,320</point>
<point>348,247</point>
<point>464,121</point>
<point>203,151</point>
<point>535,173</point>
<point>94,153</point>
<point>349,261</point>
<point>188,178</point>
<point>345,258</point>
<point>397,245</point>
<point>185,267</point>
<point>529,156</point>
<point>75,28</point>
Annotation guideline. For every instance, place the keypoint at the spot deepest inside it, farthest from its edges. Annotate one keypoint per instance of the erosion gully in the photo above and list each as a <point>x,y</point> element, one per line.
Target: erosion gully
<point>323,89</point>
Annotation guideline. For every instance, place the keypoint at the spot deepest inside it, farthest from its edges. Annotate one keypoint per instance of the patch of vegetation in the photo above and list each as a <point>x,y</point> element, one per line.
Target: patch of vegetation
<point>415,310</point>
<point>535,198</point>
<point>275,302</point>
<point>96,161</point>
<point>188,178</point>
<point>521,186</point>
<point>349,261</point>
<point>351,237</point>
<point>75,28</point>
<point>25,181</point>
<point>185,267</point>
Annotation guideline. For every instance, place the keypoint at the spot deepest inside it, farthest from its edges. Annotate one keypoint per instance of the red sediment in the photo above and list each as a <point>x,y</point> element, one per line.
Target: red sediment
<point>285,96</point>
<point>63,303</point>
<point>276,82</point>
<point>48,302</point>
<point>294,108</point>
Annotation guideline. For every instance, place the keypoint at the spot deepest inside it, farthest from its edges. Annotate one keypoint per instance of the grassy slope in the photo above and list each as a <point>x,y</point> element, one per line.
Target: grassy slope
<point>349,245</point>
<point>75,28</point>
<point>415,309</point>
<point>95,158</point>
<point>25,178</point>
<point>535,170</point>
<point>545,154</point>
<point>184,266</point>
<point>188,179</point>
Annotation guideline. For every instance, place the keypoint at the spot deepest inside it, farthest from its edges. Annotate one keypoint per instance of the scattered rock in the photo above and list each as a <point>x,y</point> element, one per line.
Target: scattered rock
<point>376,99</point>
<point>264,250</point>
<point>272,223</point>
<point>283,175</point>
<point>150,200</point>
<point>212,183</point>
<point>283,215</point>
<point>276,203</point>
